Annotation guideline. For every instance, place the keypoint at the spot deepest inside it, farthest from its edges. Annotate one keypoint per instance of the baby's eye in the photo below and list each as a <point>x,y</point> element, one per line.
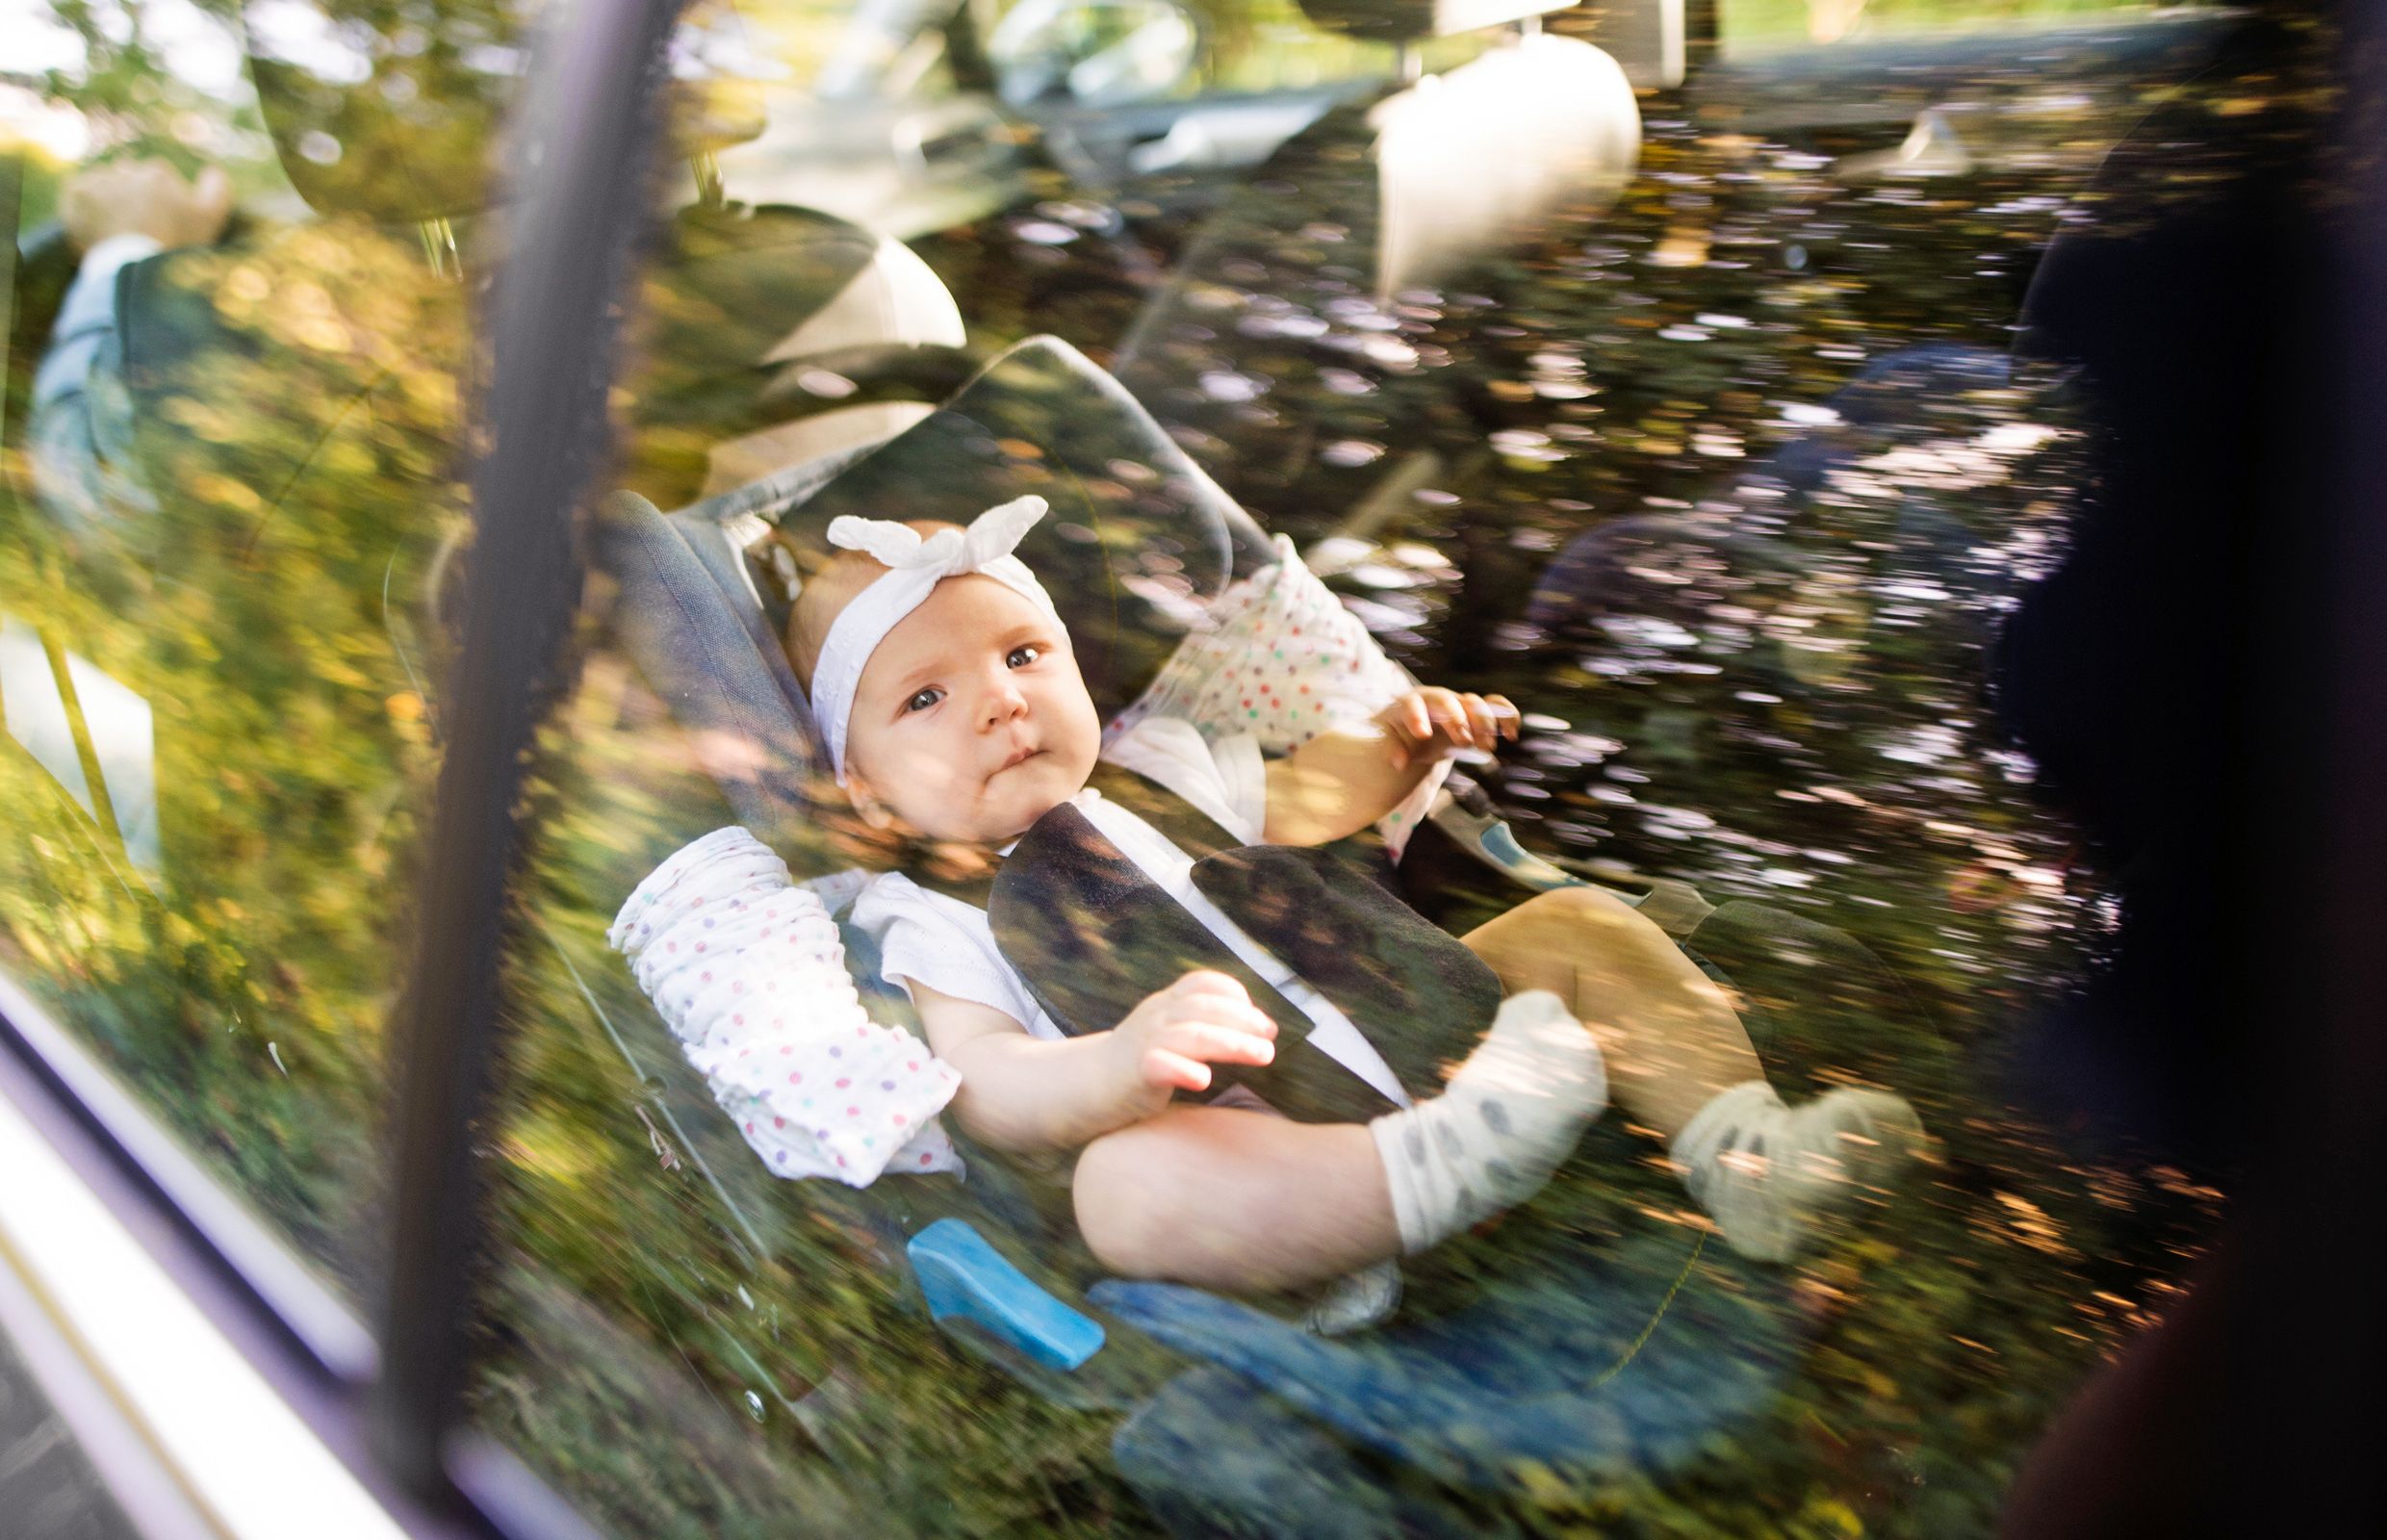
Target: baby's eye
<point>925,699</point>
<point>1022,657</point>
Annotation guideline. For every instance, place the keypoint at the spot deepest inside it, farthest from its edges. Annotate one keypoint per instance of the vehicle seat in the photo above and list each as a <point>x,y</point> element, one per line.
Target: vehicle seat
<point>1304,286</point>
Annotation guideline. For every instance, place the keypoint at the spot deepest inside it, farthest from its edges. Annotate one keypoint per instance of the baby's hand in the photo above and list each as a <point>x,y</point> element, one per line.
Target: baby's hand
<point>1170,1041</point>
<point>1434,723</point>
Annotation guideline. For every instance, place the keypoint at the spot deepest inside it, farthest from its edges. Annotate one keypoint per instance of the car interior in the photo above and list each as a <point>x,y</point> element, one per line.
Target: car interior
<point>1724,407</point>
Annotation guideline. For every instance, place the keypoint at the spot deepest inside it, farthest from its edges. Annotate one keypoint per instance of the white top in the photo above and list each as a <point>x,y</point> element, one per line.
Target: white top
<point>949,946</point>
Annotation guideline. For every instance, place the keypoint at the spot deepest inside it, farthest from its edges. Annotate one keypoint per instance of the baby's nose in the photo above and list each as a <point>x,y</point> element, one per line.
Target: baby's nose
<point>1002,703</point>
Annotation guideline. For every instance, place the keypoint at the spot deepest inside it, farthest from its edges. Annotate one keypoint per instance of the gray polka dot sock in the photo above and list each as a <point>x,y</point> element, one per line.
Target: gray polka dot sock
<point>1508,1117</point>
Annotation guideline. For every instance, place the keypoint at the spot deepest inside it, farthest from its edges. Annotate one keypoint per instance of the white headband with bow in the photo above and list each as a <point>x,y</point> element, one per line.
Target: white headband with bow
<point>915,566</point>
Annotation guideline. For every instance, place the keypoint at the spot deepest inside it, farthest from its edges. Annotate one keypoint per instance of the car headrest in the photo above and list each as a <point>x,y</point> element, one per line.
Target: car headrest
<point>1139,537</point>
<point>369,120</point>
<point>1475,159</point>
<point>727,290</point>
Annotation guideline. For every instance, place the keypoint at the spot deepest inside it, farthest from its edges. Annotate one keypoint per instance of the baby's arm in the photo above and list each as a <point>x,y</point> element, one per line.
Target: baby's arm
<point>1338,783</point>
<point>1020,1093</point>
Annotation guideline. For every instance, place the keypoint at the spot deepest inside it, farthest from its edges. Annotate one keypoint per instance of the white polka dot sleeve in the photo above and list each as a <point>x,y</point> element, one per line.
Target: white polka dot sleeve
<point>749,972</point>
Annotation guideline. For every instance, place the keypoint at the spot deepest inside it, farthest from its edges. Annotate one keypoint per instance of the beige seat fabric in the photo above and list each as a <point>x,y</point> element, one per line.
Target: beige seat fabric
<point>1472,159</point>
<point>895,301</point>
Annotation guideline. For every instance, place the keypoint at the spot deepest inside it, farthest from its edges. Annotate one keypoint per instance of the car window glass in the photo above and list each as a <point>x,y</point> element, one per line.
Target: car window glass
<point>235,450</point>
<point>1710,449</point>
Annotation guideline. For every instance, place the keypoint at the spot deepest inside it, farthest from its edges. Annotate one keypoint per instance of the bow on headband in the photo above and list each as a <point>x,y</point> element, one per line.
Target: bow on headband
<point>950,552</point>
<point>914,568</point>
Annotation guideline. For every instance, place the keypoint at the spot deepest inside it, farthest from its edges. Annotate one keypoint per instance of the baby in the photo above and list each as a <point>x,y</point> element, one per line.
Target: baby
<point>950,702</point>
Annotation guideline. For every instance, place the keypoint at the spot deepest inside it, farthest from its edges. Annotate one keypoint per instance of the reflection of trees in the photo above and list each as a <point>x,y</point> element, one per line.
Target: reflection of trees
<point>388,107</point>
<point>125,89</point>
<point>1653,365</point>
<point>297,418</point>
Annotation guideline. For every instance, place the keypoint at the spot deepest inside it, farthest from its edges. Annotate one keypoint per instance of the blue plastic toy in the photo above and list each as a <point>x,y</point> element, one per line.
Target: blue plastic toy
<point>966,1278</point>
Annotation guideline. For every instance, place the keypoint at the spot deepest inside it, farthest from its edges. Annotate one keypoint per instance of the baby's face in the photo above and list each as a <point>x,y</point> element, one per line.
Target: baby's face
<point>972,720</point>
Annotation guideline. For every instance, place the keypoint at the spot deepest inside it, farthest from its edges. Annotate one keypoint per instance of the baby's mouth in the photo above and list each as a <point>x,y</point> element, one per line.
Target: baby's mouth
<point>1017,758</point>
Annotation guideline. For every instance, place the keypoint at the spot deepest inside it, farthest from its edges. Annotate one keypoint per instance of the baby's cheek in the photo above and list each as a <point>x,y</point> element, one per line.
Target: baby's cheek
<point>900,780</point>
<point>922,793</point>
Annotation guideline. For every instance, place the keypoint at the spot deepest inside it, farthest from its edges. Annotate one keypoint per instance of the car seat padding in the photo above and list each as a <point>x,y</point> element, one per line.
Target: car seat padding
<point>712,658</point>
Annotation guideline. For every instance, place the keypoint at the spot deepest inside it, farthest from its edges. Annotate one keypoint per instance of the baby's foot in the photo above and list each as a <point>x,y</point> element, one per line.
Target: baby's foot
<point>1772,1176</point>
<point>1510,1113</point>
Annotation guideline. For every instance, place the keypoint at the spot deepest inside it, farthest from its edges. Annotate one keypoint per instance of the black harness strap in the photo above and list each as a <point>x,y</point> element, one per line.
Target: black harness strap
<point>1093,935</point>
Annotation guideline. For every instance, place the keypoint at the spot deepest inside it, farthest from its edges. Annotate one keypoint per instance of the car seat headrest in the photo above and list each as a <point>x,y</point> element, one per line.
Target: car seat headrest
<point>1138,538</point>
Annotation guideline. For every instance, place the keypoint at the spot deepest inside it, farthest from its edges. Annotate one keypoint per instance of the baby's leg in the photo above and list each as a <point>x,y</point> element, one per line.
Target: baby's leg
<point>1670,1035</point>
<point>1249,1201</point>
<point>1232,1199</point>
<point>1769,1174</point>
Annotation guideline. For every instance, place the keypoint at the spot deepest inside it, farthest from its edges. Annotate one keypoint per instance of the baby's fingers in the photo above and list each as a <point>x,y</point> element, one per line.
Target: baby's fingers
<point>1216,1043</point>
<point>1173,1070</point>
<point>1453,720</point>
<point>1483,722</point>
<point>1227,1015</point>
<point>1206,995</point>
<point>1490,719</point>
<point>1210,982</point>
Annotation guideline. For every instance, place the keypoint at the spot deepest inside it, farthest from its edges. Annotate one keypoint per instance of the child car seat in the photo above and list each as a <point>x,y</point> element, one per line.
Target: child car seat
<point>1138,539</point>
<point>1593,1353</point>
